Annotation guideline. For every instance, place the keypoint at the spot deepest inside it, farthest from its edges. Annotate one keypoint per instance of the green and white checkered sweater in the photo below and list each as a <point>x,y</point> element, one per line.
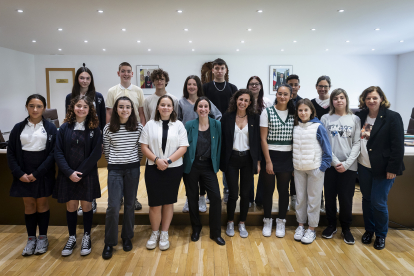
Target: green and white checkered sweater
<point>279,132</point>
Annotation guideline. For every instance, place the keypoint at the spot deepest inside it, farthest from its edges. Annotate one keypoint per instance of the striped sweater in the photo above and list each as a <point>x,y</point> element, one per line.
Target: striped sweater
<point>122,149</point>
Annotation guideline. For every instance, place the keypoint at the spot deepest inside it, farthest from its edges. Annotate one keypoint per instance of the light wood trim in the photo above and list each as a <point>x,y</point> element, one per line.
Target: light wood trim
<point>47,80</point>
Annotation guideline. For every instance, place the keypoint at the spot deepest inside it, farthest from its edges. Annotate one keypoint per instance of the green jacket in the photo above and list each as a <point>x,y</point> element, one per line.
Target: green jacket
<point>192,132</point>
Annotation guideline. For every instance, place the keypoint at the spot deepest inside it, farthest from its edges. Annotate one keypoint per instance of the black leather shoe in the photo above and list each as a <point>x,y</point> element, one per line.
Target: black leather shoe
<point>379,243</point>
<point>218,240</point>
<point>367,237</point>
<point>127,245</point>
<point>195,236</point>
<point>107,252</point>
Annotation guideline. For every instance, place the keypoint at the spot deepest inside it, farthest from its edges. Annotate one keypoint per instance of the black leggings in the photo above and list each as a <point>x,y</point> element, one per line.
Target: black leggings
<point>283,179</point>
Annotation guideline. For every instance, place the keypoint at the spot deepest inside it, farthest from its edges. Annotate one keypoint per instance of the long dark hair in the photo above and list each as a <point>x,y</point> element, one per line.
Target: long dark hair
<point>131,124</point>
<point>38,97</point>
<point>233,101</point>
<point>91,120</point>
<point>260,105</point>
<point>307,102</point>
<point>76,86</point>
<point>173,115</point>
<point>290,105</point>
<point>200,92</point>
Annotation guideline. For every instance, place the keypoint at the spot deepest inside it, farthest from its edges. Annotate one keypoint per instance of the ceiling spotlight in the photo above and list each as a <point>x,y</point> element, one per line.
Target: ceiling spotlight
<point>401,41</point>
<point>149,50</point>
<point>313,29</point>
<point>347,41</point>
<point>33,41</point>
<point>100,11</point>
<point>242,41</point>
<point>294,41</point>
<point>104,50</point>
<point>138,41</point>
<point>373,49</point>
<point>327,50</point>
<point>377,29</point>
<point>123,30</point>
<point>249,30</point>
<point>259,11</point>
<point>86,41</point>
<point>20,11</point>
<point>341,10</point>
<point>186,30</point>
<point>282,50</point>
<point>237,50</point>
<point>192,50</point>
<point>179,11</point>
<point>60,29</point>
<point>60,49</point>
<point>190,41</point>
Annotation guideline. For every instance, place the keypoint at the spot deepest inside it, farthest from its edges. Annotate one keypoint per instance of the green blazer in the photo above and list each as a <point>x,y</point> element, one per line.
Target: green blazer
<point>192,132</point>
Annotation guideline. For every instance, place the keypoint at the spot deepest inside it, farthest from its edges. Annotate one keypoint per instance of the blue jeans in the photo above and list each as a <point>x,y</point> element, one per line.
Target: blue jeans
<point>121,182</point>
<point>374,201</point>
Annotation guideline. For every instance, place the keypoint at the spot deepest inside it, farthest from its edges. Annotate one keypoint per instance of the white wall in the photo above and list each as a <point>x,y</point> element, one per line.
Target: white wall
<point>353,73</point>
<point>17,82</point>
<point>404,103</point>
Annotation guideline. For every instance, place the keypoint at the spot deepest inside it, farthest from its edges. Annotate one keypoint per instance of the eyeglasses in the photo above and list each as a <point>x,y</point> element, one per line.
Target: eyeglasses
<point>323,86</point>
<point>254,84</point>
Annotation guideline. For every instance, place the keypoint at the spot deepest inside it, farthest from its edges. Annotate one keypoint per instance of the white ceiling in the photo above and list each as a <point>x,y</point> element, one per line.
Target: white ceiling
<point>215,27</point>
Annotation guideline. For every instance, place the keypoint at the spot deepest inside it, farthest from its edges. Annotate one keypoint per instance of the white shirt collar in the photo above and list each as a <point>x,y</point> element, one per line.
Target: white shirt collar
<point>30,124</point>
<point>79,126</point>
<point>129,88</point>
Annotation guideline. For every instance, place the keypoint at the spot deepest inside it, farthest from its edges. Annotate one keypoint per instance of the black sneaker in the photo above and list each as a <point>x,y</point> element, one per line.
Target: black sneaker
<point>348,238</point>
<point>86,245</point>
<point>70,245</point>
<point>137,205</point>
<point>329,232</point>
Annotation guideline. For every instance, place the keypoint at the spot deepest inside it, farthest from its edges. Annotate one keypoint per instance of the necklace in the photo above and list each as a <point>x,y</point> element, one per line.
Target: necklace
<point>225,83</point>
<point>242,116</point>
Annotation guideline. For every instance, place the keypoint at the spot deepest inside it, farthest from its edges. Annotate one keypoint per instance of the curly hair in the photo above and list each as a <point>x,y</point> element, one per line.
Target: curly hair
<point>91,120</point>
<point>233,102</point>
<point>158,73</point>
<point>385,103</point>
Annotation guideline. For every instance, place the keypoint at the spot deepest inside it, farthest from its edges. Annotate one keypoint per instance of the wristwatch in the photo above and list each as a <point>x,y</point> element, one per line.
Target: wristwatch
<point>169,161</point>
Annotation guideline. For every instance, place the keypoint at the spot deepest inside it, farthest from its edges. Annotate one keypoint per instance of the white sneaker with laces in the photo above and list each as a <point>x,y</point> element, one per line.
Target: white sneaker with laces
<point>299,232</point>
<point>70,245</point>
<point>267,227</point>
<point>30,246</point>
<point>185,208</point>
<point>41,245</point>
<point>153,240</point>
<point>164,242</point>
<point>309,237</point>
<point>80,211</point>
<point>86,245</point>
<point>230,229</point>
<point>202,207</point>
<point>243,231</point>
<point>280,228</point>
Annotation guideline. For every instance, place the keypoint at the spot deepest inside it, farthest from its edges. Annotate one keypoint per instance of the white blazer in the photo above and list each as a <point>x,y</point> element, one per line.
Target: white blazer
<point>152,136</point>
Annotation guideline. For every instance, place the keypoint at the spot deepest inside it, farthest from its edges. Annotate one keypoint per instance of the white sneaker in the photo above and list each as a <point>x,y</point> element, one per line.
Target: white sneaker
<point>30,246</point>
<point>164,242</point>
<point>80,211</point>
<point>202,207</point>
<point>323,207</point>
<point>309,237</point>
<point>293,203</point>
<point>94,206</point>
<point>299,232</point>
<point>207,200</point>
<point>267,227</point>
<point>230,229</point>
<point>185,208</point>
<point>243,231</point>
<point>70,245</point>
<point>153,240</point>
<point>41,245</point>
<point>280,228</point>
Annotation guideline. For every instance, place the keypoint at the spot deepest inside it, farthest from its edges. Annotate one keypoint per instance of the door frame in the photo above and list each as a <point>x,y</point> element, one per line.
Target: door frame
<point>47,80</point>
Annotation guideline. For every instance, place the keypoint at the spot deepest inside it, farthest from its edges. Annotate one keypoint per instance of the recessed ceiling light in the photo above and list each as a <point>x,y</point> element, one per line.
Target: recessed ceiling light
<point>249,30</point>
<point>401,40</point>
<point>373,49</point>
<point>347,41</point>
<point>60,49</point>
<point>377,29</point>
<point>186,30</point>
<point>327,50</point>
<point>237,50</point>
<point>259,11</point>
<point>138,41</point>
<point>104,50</point>
<point>294,41</point>
<point>242,41</point>
<point>33,41</point>
<point>100,11</point>
<point>190,41</point>
<point>149,50</point>
<point>313,29</point>
<point>192,50</point>
<point>179,11</point>
<point>282,50</point>
<point>86,41</point>
<point>19,10</point>
<point>60,29</point>
<point>123,30</point>
<point>341,10</point>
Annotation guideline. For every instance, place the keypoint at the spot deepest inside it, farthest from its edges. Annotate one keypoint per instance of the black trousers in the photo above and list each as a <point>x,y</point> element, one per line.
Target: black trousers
<point>343,186</point>
<point>292,186</point>
<point>244,166</point>
<point>283,179</point>
<point>203,171</point>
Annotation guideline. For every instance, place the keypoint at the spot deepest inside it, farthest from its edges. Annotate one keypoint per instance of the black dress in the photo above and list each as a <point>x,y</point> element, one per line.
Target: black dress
<point>88,187</point>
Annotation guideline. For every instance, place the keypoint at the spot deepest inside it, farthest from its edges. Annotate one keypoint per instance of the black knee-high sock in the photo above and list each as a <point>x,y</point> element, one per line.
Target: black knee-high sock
<point>72,219</point>
<point>31,224</point>
<point>43,222</point>
<point>87,221</point>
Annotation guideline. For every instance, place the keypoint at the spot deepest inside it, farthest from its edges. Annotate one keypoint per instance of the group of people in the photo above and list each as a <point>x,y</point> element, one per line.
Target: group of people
<point>309,145</point>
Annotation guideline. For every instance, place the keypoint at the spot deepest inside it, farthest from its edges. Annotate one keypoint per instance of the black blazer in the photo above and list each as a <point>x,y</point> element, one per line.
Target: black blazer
<point>386,142</point>
<point>227,136</point>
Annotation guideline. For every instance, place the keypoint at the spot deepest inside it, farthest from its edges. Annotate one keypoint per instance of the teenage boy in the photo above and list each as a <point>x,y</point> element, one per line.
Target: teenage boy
<point>159,80</point>
<point>125,88</point>
<point>219,93</point>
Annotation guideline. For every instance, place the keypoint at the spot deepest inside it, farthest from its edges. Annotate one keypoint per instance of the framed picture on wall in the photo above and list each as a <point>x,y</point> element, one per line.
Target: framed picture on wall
<point>144,78</point>
<point>277,76</point>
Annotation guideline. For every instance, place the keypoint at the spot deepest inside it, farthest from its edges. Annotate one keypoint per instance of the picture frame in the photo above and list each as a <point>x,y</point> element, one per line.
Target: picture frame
<point>143,78</point>
<point>277,76</point>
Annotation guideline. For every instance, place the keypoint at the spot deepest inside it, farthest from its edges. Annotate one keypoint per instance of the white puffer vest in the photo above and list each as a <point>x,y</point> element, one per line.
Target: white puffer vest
<point>307,152</point>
